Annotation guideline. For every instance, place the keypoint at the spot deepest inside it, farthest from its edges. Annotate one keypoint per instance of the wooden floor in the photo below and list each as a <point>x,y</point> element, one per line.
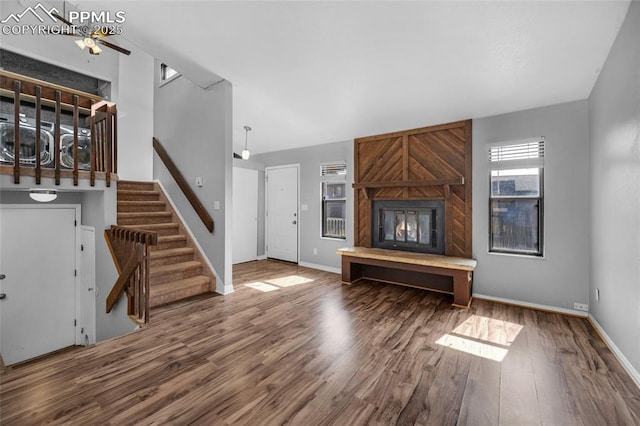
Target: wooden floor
<point>292,345</point>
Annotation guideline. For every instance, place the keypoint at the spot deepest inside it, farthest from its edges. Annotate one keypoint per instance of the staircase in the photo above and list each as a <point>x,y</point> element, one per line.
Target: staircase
<point>177,269</point>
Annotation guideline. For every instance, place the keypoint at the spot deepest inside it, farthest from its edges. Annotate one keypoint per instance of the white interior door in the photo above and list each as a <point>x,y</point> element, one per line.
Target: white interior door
<point>282,213</point>
<point>37,260</point>
<point>88,286</point>
<point>245,215</point>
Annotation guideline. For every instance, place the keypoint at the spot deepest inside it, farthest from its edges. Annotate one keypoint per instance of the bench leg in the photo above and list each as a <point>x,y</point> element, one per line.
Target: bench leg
<point>462,289</point>
<point>351,271</point>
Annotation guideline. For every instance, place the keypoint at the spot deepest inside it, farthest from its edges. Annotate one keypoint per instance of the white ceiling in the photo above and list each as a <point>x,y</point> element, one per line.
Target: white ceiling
<point>306,73</point>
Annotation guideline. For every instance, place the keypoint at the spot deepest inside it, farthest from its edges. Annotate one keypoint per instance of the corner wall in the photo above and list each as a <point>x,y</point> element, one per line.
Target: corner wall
<point>309,159</point>
<point>614,124</point>
<point>194,126</point>
<point>560,278</point>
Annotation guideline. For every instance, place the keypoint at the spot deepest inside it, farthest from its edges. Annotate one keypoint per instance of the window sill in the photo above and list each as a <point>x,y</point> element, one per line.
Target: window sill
<point>523,256</point>
<point>333,238</point>
<point>169,80</point>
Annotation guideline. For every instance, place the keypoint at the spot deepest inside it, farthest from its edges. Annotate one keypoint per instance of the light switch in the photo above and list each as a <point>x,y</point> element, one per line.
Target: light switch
<point>216,205</point>
<point>199,181</point>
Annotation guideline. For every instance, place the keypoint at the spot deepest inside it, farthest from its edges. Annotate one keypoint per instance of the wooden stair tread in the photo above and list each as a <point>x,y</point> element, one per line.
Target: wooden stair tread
<point>137,192</point>
<point>143,214</point>
<point>141,203</point>
<point>182,266</point>
<point>181,289</point>
<point>167,238</point>
<point>153,226</point>
<point>172,252</point>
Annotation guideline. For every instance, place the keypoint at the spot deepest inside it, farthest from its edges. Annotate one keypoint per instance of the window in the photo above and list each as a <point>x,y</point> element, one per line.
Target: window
<point>516,197</point>
<point>167,73</point>
<point>334,199</point>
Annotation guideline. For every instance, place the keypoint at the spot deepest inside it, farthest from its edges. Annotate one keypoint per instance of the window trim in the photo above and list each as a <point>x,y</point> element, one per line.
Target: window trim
<point>518,163</point>
<point>163,80</point>
<point>322,208</point>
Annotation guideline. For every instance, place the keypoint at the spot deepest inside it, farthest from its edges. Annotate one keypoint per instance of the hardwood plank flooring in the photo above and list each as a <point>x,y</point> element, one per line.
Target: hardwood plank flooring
<point>294,346</point>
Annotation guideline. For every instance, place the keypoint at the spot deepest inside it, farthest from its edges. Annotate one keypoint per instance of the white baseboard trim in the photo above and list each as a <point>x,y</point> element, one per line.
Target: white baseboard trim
<point>532,305</point>
<point>227,289</point>
<point>320,267</point>
<point>616,351</point>
<point>221,287</point>
<point>261,257</point>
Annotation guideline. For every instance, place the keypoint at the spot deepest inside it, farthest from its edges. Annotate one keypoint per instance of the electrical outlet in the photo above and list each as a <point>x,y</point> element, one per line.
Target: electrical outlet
<point>581,307</point>
<point>597,294</point>
<point>199,181</point>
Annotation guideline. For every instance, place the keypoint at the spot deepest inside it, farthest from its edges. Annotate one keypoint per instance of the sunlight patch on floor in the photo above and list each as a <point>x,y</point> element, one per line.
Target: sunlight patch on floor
<point>278,283</point>
<point>262,287</point>
<point>289,281</point>
<point>482,336</point>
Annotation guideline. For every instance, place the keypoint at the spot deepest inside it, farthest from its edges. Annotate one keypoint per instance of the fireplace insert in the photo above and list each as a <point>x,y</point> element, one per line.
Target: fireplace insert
<point>410,225</point>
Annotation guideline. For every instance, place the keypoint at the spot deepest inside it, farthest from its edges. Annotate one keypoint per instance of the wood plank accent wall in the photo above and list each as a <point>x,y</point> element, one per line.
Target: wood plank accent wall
<point>430,163</point>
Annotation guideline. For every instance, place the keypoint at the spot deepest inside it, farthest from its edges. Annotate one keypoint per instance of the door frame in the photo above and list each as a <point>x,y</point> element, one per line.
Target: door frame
<point>78,261</point>
<point>266,207</point>
<point>88,252</point>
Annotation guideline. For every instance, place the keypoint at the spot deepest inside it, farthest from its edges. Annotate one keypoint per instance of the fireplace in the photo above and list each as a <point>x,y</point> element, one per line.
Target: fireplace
<point>409,225</point>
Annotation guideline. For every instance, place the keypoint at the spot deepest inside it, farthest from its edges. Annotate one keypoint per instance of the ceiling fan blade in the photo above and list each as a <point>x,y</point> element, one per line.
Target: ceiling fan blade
<point>60,18</point>
<point>114,47</point>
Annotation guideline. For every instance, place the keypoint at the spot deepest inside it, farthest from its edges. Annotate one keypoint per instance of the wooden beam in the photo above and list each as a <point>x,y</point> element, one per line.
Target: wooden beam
<point>16,133</point>
<point>410,183</point>
<point>46,102</point>
<point>56,138</point>
<point>76,120</point>
<point>38,127</point>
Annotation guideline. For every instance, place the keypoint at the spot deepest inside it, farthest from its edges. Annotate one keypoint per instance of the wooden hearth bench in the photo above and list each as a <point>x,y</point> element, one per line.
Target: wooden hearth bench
<point>445,274</point>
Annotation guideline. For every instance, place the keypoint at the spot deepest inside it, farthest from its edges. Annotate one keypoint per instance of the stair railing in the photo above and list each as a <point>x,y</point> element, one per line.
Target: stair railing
<point>86,109</point>
<point>184,186</point>
<point>130,250</point>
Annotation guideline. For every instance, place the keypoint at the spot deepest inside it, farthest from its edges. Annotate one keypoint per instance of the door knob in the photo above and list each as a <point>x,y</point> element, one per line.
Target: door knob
<point>2,276</point>
<point>294,222</point>
<point>2,296</point>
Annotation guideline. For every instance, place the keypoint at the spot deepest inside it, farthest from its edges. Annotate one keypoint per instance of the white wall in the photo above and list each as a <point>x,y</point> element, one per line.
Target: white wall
<point>310,159</point>
<point>135,116</point>
<point>560,278</point>
<point>614,118</point>
<point>194,126</point>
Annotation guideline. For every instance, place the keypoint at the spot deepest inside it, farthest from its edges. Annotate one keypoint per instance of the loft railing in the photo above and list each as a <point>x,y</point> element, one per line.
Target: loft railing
<point>184,186</point>
<point>25,158</point>
<point>130,250</point>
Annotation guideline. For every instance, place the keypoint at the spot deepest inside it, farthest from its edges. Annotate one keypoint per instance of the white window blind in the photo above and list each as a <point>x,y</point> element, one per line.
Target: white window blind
<point>520,154</point>
<point>333,169</point>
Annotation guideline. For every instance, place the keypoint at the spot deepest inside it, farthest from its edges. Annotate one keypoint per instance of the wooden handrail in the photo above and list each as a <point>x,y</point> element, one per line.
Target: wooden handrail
<point>121,282</point>
<point>184,186</point>
<point>130,249</point>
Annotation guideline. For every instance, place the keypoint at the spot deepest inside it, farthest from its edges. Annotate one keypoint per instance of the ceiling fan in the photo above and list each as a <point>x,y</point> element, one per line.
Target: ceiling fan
<point>91,39</point>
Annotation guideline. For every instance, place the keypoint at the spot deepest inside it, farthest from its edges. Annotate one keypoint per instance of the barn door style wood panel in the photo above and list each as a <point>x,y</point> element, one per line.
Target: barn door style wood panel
<point>430,163</point>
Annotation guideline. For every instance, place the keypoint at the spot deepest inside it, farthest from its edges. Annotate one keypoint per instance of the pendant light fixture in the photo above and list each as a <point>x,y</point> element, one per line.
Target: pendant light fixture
<point>245,151</point>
